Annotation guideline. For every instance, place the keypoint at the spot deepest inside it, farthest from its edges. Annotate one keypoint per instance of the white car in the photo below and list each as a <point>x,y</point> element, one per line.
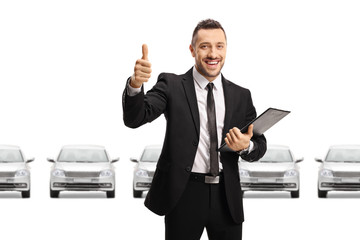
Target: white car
<point>277,170</point>
<point>82,168</point>
<point>144,170</point>
<point>14,170</point>
<point>340,170</point>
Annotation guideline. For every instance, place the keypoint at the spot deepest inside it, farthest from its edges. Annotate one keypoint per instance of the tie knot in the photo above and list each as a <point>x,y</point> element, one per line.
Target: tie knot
<point>210,86</point>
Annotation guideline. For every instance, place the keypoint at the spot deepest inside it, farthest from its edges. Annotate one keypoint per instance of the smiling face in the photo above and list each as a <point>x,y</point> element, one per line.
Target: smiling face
<point>209,51</point>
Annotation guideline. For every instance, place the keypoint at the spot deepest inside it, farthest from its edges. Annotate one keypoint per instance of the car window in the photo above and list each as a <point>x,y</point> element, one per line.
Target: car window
<point>150,155</point>
<point>83,155</point>
<point>343,155</point>
<point>10,155</point>
<point>277,155</point>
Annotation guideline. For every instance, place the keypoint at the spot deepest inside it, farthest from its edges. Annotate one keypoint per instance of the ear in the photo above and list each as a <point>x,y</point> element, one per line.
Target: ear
<point>192,50</point>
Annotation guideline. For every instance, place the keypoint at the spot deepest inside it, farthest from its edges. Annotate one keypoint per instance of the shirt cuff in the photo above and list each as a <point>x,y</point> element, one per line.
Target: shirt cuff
<point>131,91</point>
<point>247,150</point>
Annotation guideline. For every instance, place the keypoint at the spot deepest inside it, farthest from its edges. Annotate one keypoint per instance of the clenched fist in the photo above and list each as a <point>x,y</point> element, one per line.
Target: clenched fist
<point>142,70</point>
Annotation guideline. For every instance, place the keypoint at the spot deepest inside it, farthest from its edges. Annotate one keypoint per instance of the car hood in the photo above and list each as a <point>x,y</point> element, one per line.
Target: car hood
<point>266,167</point>
<point>12,167</point>
<point>148,166</point>
<point>83,167</point>
<point>342,167</point>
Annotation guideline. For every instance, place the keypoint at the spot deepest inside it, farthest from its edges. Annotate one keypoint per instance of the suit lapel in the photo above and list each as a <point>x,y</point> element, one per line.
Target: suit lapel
<point>188,83</point>
<point>228,95</point>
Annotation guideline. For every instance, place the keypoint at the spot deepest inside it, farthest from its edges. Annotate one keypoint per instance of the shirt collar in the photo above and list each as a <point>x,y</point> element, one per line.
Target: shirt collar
<point>202,82</point>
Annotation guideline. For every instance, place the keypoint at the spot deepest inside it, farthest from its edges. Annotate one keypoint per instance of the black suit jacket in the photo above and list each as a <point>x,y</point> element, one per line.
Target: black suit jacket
<point>175,97</point>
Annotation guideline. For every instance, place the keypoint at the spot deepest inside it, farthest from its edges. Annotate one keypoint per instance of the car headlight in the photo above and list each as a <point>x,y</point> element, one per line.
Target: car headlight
<point>106,173</point>
<point>326,173</point>
<point>291,173</point>
<point>244,173</point>
<point>22,173</point>
<point>142,173</point>
<point>58,173</point>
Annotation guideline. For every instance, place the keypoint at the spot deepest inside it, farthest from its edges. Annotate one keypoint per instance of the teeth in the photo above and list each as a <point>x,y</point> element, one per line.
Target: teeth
<point>212,63</point>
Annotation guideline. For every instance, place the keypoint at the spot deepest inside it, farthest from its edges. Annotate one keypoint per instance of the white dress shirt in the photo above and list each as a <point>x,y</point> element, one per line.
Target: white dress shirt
<point>202,157</point>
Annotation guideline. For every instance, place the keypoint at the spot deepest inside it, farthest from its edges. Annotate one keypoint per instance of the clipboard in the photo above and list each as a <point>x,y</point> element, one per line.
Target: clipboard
<point>261,124</point>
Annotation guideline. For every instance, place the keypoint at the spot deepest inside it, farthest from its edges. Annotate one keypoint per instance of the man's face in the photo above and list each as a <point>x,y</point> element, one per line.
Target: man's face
<point>209,52</point>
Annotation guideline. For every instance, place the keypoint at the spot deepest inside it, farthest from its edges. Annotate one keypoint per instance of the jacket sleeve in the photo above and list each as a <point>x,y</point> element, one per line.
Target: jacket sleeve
<point>143,108</point>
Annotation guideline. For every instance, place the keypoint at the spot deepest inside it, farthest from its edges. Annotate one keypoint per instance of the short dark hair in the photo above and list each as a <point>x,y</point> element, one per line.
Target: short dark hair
<point>206,24</point>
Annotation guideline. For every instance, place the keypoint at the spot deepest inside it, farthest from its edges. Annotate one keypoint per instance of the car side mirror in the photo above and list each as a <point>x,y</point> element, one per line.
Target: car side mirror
<point>30,160</point>
<point>50,160</point>
<point>115,160</point>
<point>134,160</point>
<point>299,160</point>
<point>319,160</point>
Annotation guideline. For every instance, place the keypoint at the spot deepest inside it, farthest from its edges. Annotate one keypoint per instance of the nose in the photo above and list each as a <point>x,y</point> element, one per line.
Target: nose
<point>212,52</point>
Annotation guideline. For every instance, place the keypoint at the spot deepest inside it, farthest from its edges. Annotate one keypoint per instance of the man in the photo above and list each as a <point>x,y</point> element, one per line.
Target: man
<point>195,186</point>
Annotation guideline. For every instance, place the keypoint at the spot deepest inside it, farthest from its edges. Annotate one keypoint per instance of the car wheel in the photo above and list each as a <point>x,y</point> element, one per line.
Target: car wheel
<point>322,194</point>
<point>295,194</point>
<point>137,194</point>
<point>110,194</point>
<point>25,194</point>
<point>54,194</point>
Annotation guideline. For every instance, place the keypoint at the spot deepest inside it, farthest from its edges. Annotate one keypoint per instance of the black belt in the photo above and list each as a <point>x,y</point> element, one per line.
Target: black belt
<point>206,178</point>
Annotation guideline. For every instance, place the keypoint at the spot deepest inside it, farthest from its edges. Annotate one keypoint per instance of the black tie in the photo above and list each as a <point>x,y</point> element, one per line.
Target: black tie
<point>211,114</point>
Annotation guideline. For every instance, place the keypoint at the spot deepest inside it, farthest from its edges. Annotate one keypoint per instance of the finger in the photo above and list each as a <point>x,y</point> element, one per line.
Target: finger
<point>140,68</point>
<point>227,142</point>
<point>143,63</point>
<point>233,136</point>
<point>237,132</point>
<point>228,136</point>
<point>145,52</point>
<point>250,130</point>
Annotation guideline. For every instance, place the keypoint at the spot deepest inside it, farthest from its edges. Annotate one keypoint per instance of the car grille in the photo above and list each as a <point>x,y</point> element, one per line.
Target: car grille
<point>7,174</point>
<point>13,185</point>
<point>266,174</point>
<point>344,186</point>
<point>83,185</point>
<point>346,174</point>
<point>269,185</point>
<point>82,174</point>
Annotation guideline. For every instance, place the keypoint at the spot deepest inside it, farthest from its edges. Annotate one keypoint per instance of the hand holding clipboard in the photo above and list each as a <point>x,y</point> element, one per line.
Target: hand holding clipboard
<point>261,124</point>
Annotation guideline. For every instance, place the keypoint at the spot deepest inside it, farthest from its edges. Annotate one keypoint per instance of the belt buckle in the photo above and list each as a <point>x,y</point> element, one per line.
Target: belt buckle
<point>212,180</point>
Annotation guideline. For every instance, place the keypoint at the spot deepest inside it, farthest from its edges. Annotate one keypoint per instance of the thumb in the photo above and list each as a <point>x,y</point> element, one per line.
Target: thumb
<point>250,129</point>
<point>145,52</point>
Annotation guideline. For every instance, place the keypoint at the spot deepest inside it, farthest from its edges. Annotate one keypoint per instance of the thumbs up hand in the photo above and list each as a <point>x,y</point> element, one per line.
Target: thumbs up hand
<point>142,70</point>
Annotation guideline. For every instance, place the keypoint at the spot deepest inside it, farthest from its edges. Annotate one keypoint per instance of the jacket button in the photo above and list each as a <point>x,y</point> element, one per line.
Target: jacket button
<point>188,169</point>
<point>195,143</point>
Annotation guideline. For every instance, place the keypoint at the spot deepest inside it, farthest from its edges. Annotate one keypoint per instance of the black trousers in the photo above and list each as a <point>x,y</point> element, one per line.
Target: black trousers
<point>202,206</point>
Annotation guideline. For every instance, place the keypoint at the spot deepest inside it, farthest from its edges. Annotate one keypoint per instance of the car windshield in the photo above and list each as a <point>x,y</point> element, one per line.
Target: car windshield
<point>343,155</point>
<point>151,155</point>
<point>276,155</point>
<point>83,155</point>
<point>10,156</point>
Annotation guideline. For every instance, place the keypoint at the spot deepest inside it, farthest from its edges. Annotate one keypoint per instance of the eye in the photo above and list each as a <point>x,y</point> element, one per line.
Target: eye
<point>220,46</point>
<point>203,46</point>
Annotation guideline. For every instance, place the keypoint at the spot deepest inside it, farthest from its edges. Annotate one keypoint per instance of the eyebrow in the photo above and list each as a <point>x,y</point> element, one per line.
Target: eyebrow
<point>210,43</point>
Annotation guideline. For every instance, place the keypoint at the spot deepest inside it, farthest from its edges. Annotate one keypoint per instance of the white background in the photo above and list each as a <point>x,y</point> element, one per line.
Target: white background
<point>63,67</point>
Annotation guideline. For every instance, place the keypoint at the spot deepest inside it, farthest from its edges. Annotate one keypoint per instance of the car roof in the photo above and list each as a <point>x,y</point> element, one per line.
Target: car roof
<point>83,146</point>
<point>274,146</point>
<point>13,147</point>
<point>354,146</point>
<point>153,147</point>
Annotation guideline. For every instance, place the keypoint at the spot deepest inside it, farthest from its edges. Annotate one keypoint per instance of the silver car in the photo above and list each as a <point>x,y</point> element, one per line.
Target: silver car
<point>82,168</point>
<point>340,170</point>
<point>144,169</point>
<point>277,170</point>
<point>14,170</point>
